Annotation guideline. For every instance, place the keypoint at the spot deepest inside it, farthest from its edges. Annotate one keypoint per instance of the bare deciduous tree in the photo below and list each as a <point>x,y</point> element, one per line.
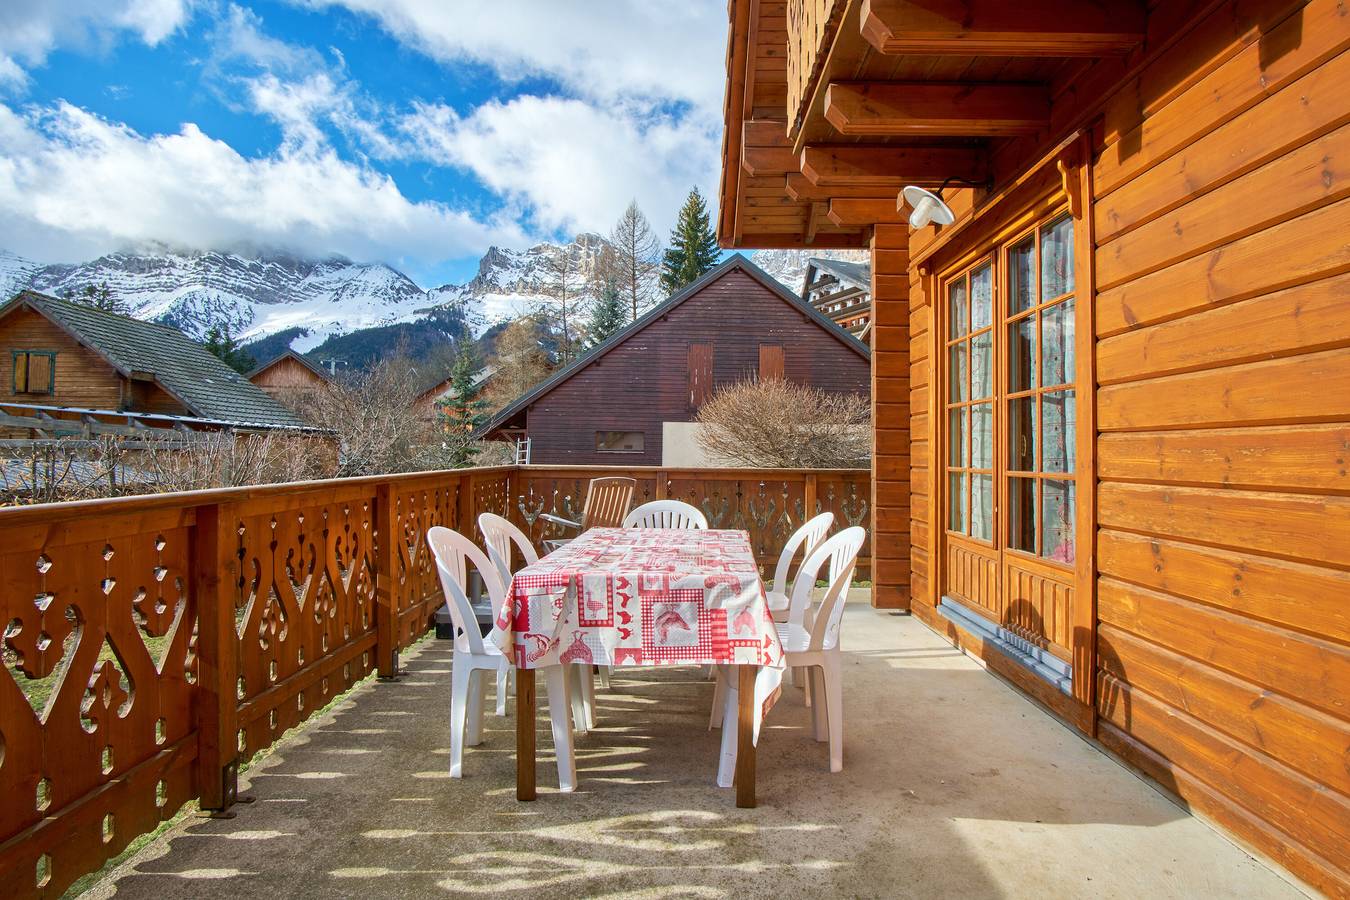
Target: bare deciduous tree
<point>371,412</point>
<point>563,288</point>
<point>518,365</point>
<point>635,259</point>
<point>779,424</point>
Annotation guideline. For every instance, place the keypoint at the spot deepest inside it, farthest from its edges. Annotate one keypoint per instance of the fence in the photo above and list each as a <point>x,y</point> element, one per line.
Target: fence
<point>153,643</point>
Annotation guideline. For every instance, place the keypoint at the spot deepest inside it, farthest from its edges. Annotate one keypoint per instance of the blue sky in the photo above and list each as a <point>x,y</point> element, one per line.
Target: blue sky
<point>413,132</point>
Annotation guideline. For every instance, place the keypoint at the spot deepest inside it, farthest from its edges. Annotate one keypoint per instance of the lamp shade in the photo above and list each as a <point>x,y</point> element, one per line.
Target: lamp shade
<point>928,208</point>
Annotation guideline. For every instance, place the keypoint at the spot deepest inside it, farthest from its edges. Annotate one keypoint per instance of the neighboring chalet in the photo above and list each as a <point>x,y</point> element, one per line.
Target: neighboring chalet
<point>1112,397</point>
<point>632,399</point>
<point>841,291</point>
<point>291,380</point>
<point>68,360</point>
<point>426,401</point>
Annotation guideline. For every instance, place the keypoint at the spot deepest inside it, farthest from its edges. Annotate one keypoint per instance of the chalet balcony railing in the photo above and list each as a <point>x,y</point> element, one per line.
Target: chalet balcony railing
<point>153,643</point>
<point>811,25</point>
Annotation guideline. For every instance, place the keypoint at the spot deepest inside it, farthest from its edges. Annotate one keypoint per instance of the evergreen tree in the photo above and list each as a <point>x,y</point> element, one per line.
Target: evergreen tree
<point>693,246</point>
<point>101,297</point>
<point>225,348</point>
<point>609,314</point>
<point>462,412</point>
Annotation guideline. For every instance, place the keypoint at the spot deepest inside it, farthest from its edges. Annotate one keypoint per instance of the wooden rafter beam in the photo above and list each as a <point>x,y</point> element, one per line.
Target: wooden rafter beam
<point>1003,28</point>
<point>899,109</point>
<point>863,213</point>
<point>888,169</point>
<point>797,186</point>
<point>765,148</point>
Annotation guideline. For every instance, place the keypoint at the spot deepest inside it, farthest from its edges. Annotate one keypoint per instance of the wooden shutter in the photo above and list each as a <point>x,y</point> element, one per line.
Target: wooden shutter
<point>40,372</point>
<point>20,372</point>
<point>771,362</point>
<point>700,374</point>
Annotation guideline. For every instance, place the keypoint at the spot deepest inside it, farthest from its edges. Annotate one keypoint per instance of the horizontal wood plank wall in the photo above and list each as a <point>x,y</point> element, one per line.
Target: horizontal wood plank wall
<point>891,517</point>
<point>925,574</point>
<point>1223,359</point>
<point>645,381</point>
<point>83,379</point>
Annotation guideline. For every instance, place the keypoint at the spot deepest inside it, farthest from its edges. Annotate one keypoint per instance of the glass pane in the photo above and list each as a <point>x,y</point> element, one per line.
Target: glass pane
<point>958,429</point>
<point>1022,434</point>
<point>1022,276</point>
<point>956,502</point>
<point>1022,514</point>
<point>1022,354</point>
<point>1057,259</point>
<point>956,366</point>
<point>1057,344</point>
<point>1057,431</point>
<point>982,436</point>
<point>981,297</point>
<point>982,366</point>
<point>982,507</point>
<point>957,308</point>
<point>1057,513</point>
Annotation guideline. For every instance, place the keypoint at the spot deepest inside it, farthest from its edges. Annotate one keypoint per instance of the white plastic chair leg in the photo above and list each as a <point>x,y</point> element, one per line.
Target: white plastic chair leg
<point>726,764</point>
<point>459,698</point>
<point>503,687</point>
<point>477,700</point>
<point>605,673</point>
<point>719,689</point>
<point>576,697</point>
<point>559,715</point>
<point>834,707</point>
<point>818,724</point>
<point>587,680</point>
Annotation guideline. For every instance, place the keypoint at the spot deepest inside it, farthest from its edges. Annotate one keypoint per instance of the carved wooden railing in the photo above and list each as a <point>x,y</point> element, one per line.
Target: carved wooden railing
<point>153,643</point>
<point>811,25</point>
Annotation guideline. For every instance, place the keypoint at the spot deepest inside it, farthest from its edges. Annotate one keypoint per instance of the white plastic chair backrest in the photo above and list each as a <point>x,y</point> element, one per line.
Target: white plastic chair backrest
<point>822,621</point>
<point>453,552</point>
<point>666,514</point>
<point>806,539</point>
<point>499,534</point>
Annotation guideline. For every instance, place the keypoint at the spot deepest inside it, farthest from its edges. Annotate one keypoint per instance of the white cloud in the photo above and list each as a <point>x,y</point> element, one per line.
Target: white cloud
<point>598,48</point>
<point>30,29</point>
<point>574,164</point>
<point>74,185</point>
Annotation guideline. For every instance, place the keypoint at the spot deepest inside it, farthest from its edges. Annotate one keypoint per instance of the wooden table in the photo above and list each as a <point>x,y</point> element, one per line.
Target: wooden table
<point>640,597</point>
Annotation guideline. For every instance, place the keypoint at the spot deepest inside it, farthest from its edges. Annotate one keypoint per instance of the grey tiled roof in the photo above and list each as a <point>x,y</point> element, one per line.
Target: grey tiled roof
<point>187,370</point>
<point>857,273</point>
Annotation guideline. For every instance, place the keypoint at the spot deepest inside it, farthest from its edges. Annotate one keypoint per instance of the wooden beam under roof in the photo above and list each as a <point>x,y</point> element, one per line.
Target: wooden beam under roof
<point>798,187</point>
<point>1002,28</point>
<point>848,213</point>
<point>898,109</point>
<point>888,168</point>
<point>761,161</point>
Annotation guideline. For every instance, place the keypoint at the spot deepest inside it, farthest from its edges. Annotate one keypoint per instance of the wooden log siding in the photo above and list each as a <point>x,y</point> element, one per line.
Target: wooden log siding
<point>1221,357</point>
<point>200,626</point>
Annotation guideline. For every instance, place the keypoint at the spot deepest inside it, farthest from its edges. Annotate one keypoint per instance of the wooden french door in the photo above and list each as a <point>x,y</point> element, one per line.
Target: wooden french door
<point>1009,399</point>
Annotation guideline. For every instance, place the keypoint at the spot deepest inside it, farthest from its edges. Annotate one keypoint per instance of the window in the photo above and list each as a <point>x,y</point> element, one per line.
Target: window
<point>34,371</point>
<point>1024,404</point>
<point>619,441</point>
<point>771,362</point>
<point>700,374</point>
<point>970,403</point>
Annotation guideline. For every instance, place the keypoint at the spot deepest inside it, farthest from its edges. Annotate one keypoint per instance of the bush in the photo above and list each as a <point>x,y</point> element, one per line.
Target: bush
<point>779,424</point>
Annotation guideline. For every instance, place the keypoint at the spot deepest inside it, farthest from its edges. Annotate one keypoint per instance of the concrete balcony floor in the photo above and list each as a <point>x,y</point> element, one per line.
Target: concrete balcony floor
<point>953,785</point>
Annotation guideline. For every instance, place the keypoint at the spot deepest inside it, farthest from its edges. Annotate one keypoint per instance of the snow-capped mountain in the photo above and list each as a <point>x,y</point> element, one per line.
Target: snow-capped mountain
<point>789,266</point>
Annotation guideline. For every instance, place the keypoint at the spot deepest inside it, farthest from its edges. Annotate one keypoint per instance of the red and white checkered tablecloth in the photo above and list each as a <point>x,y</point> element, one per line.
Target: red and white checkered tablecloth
<point>641,597</point>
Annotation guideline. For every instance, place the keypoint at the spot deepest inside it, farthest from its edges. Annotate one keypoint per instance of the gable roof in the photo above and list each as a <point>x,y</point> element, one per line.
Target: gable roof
<point>318,371</point>
<point>185,369</point>
<point>735,263</point>
<point>858,274</point>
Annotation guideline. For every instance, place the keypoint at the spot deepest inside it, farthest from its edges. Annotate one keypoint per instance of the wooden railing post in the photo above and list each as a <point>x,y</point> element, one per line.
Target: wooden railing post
<point>662,485</point>
<point>464,515</point>
<point>215,577</point>
<point>386,579</point>
<point>808,498</point>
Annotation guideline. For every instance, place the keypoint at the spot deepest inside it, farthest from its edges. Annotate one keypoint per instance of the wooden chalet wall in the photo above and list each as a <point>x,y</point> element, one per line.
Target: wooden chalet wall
<point>1219,203</point>
<point>644,381</point>
<point>83,378</point>
<point>893,454</point>
<point>290,383</point>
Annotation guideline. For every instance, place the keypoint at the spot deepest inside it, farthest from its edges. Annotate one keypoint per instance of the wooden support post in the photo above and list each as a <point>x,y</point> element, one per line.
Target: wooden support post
<point>215,578</point>
<point>809,500</point>
<point>890,537</point>
<point>662,485</point>
<point>464,513</point>
<point>525,787</point>
<point>386,579</point>
<point>745,737</point>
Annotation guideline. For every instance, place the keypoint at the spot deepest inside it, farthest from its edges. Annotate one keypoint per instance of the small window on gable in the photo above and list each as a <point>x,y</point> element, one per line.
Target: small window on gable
<point>619,441</point>
<point>34,371</point>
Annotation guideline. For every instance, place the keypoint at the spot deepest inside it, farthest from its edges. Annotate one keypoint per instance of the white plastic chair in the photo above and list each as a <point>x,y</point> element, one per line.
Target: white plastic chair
<point>805,539</point>
<point>473,656</point>
<point>666,514</point>
<point>500,534</point>
<point>810,638</point>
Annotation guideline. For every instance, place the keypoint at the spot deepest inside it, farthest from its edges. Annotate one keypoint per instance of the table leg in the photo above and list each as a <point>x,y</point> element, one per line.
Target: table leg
<point>745,738</point>
<point>525,734</point>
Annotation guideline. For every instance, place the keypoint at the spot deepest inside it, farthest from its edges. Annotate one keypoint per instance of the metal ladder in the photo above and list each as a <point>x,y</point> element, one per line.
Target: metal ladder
<point>523,451</point>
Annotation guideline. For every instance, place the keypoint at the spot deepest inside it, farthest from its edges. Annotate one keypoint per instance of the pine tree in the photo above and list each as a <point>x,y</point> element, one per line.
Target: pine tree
<point>101,297</point>
<point>693,246</point>
<point>462,413</point>
<point>224,347</point>
<point>609,314</point>
<point>635,259</point>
